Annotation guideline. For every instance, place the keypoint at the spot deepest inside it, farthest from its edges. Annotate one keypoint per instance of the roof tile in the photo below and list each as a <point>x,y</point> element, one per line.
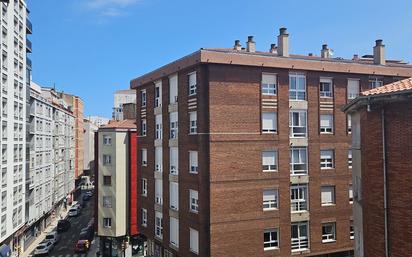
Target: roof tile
<point>402,85</point>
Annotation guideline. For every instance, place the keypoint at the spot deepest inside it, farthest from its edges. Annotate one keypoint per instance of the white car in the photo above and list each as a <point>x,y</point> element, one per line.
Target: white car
<point>43,248</point>
<point>73,212</point>
<point>52,237</point>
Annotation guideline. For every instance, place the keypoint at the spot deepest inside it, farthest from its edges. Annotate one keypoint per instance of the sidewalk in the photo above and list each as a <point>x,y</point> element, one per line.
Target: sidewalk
<point>94,248</point>
<point>49,229</point>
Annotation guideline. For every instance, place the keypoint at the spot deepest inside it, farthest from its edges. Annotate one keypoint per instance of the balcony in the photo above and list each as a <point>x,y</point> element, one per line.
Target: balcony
<point>28,62</point>
<point>28,46</point>
<point>29,27</point>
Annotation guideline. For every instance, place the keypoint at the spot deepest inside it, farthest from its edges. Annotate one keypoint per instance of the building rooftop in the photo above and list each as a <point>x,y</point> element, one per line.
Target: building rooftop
<point>120,124</point>
<point>395,87</point>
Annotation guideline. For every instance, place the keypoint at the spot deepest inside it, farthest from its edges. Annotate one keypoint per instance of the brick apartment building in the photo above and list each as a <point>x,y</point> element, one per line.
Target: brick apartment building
<point>245,153</point>
<point>382,140</point>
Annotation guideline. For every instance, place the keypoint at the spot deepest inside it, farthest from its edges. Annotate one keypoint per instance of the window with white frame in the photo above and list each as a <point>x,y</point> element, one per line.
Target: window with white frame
<point>269,122</point>
<point>270,199</point>
<point>298,198</point>
<point>173,125</point>
<point>328,232</point>
<point>143,97</point>
<point>326,123</point>
<point>298,123</point>
<point>159,225</point>
<point>350,158</point>
<point>328,195</point>
<point>158,132</point>
<point>194,201</point>
<point>351,231</point>
<point>353,89</point>
<point>193,163</point>
<point>144,157</point>
<point>158,94</point>
<point>144,187</point>
<point>375,82</point>
<point>192,122</point>
<point>159,191</point>
<point>174,160</point>
<point>174,196</point>
<point>158,159</point>
<point>270,239</point>
<point>349,124</point>
<point>107,140</point>
<point>144,217</point>
<point>107,159</point>
<point>350,194</point>
<point>269,161</point>
<point>173,89</point>
<point>326,159</point>
<point>192,83</point>
<point>297,86</point>
<point>269,84</point>
<point>194,240</point>
<point>326,87</point>
<point>174,231</point>
<point>107,222</point>
<point>143,127</point>
<point>298,161</point>
<point>107,201</point>
<point>300,236</point>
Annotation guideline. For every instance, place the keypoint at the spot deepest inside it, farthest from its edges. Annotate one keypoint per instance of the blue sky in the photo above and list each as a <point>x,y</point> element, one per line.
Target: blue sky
<point>93,47</point>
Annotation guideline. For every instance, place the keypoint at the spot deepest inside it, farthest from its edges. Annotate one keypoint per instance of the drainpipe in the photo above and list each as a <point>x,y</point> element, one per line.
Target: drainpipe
<point>385,194</point>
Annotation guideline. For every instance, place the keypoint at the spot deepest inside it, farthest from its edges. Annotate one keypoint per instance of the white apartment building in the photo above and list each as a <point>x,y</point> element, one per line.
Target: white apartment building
<point>122,97</point>
<point>89,130</point>
<point>15,68</point>
<point>98,121</point>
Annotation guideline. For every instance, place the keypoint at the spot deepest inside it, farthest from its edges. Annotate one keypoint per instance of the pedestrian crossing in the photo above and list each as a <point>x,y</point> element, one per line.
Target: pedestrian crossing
<point>70,255</point>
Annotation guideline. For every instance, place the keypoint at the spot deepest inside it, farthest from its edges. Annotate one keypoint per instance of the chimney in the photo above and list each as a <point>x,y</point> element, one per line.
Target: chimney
<point>355,57</point>
<point>283,43</point>
<point>250,44</point>
<point>325,52</point>
<point>379,53</point>
<point>237,46</point>
<point>273,49</point>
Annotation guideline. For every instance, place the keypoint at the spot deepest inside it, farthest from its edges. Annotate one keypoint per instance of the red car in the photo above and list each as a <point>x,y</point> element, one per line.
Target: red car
<point>82,246</point>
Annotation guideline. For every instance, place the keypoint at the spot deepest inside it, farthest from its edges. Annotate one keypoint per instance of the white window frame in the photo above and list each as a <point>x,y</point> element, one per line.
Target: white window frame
<point>269,84</point>
<point>350,159</point>
<point>326,93</point>
<point>353,84</point>
<point>143,127</point>
<point>144,217</point>
<point>192,83</point>
<point>158,98</point>
<point>327,159</point>
<point>351,230</point>
<point>107,140</point>
<point>330,235</point>
<point>193,162</point>
<point>144,187</point>
<point>107,222</point>
<point>375,82</point>
<point>194,240</point>
<point>273,242</point>
<point>159,225</point>
<point>301,241</point>
<point>174,125</point>
<point>326,129</point>
<point>144,157</point>
<point>192,123</point>
<point>270,199</point>
<point>143,97</point>
<point>269,161</point>
<point>158,159</point>
<point>328,189</point>
<point>299,198</point>
<point>173,86</point>
<point>298,128</point>
<point>350,194</point>
<point>349,124</point>
<point>193,201</point>
<point>158,127</point>
<point>295,93</point>
<point>159,191</point>
<point>174,231</point>
<point>296,164</point>
<point>272,118</point>
<point>174,160</point>
<point>107,159</point>
<point>174,196</point>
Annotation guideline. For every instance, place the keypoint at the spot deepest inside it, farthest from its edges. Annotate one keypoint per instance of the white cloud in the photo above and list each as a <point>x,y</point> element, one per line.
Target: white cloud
<point>109,8</point>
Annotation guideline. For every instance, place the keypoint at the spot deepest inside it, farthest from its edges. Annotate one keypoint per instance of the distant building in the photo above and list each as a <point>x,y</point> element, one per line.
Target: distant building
<point>89,130</point>
<point>129,111</point>
<point>122,97</point>
<point>98,121</point>
<point>382,164</point>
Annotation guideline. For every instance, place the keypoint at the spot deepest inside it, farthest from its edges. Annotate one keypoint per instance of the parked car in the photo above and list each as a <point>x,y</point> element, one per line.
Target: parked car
<point>73,212</point>
<point>52,237</point>
<point>63,225</point>
<point>82,246</point>
<point>43,248</point>
<point>86,234</point>
<point>78,206</point>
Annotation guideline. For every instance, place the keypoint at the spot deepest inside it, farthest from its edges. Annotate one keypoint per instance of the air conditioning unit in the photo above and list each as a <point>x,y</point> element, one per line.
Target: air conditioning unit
<point>159,200</point>
<point>173,170</point>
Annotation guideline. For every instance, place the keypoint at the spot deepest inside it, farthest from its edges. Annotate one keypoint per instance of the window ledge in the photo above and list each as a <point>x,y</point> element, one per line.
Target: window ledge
<point>270,171</point>
<point>271,209</point>
<point>329,241</point>
<point>328,204</point>
<point>270,248</point>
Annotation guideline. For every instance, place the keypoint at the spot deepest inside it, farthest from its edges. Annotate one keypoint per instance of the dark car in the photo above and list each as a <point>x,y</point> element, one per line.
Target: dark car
<point>63,225</point>
<point>86,198</point>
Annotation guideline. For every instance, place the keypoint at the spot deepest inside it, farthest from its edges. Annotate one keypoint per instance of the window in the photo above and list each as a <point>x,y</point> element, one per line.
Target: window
<point>270,239</point>
<point>328,195</point>
<point>328,232</point>
<point>269,122</point>
<point>194,201</point>
<point>326,123</point>
<point>107,180</point>
<point>192,83</point>
<point>173,89</point>
<point>270,199</point>
<point>144,187</point>
<point>144,157</point>
<point>325,87</point>
<point>174,160</point>
<point>349,124</point>
<point>173,125</point>
<point>107,201</point>
<point>298,161</point>
<point>107,140</point>
<point>326,159</point>
<point>107,159</point>
<point>159,191</point>
<point>174,196</point>
<point>158,133</point>
<point>107,222</point>
<point>350,158</point>
<point>269,161</point>
<point>158,159</point>
<point>299,236</point>
<point>143,97</point>
<point>193,164</point>
<point>143,127</point>
<point>269,84</point>
<point>297,86</point>
<point>298,198</point>
<point>174,231</point>
<point>192,122</point>
<point>158,93</point>
<point>375,82</point>
<point>194,240</point>
<point>297,123</point>
<point>159,225</point>
<point>351,231</point>
<point>350,194</point>
<point>353,89</point>
<point>144,217</point>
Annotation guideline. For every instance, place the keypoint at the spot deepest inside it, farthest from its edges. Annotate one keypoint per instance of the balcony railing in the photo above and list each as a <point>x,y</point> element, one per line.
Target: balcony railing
<point>28,62</point>
<point>29,27</point>
<point>28,46</point>
<point>299,244</point>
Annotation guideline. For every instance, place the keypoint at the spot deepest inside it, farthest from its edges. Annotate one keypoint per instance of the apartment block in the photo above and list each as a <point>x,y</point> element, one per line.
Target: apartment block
<point>89,130</point>
<point>122,97</point>
<point>247,153</point>
<point>15,74</point>
<point>382,136</point>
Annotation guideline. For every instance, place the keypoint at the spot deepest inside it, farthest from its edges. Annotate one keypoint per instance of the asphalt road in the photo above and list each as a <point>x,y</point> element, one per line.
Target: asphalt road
<point>68,239</point>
